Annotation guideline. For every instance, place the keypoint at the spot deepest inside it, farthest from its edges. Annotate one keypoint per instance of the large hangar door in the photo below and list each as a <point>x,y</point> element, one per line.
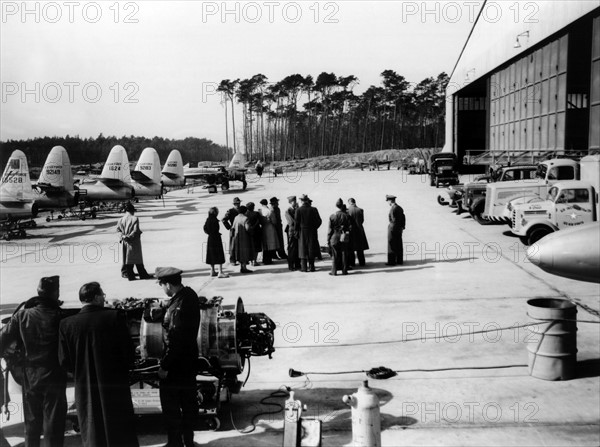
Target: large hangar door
<point>470,112</point>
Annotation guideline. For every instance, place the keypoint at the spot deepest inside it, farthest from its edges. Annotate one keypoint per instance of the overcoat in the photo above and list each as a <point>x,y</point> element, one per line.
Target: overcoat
<point>270,240</point>
<point>359,238</point>
<point>308,222</point>
<point>129,227</point>
<point>243,248</point>
<point>95,345</point>
<point>214,245</point>
<point>397,222</point>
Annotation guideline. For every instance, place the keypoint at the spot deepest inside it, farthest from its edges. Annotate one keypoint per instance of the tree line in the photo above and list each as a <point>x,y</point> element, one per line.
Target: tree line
<point>94,150</point>
<point>300,117</point>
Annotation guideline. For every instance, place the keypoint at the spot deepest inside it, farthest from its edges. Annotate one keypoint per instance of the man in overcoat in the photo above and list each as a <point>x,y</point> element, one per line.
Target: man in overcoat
<point>242,244</point>
<point>96,346</point>
<point>292,237</point>
<point>359,237</point>
<point>278,223</point>
<point>228,219</point>
<point>129,227</point>
<point>338,236</point>
<point>35,329</point>
<point>397,222</point>
<point>178,365</point>
<point>308,222</point>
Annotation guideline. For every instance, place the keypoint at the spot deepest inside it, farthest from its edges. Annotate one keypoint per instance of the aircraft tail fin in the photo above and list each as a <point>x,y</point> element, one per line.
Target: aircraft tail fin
<point>149,165</point>
<point>57,169</point>
<point>15,184</point>
<point>174,164</point>
<point>117,165</point>
<point>238,161</point>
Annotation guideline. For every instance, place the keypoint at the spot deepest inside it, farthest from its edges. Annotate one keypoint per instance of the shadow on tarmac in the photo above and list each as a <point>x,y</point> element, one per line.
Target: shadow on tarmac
<point>588,368</point>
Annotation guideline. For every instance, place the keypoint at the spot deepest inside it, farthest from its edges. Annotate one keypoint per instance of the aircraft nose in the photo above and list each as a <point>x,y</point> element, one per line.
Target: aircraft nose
<point>533,254</point>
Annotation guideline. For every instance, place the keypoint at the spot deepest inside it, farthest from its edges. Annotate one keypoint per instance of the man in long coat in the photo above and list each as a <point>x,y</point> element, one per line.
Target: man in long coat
<point>338,238</point>
<point>308,222</point>
<point>269,234</point>
<point>129,227</point>
<point>35,329</point>
<point>95,345</point>
<point>397,222</point>
<point>228,219</point>
<point>359,238</point>
<point>242,241</point>
<point>255,230</point>
<point>292,237</point>
<point>278,223</point>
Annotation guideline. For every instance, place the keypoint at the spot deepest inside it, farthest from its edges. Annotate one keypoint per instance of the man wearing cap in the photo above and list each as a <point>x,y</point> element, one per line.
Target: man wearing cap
<point>359,238</point>
<point>397,222</point>
<point>177,370</point>
<point>35,329</point>
<point>338,238</point>
<point>228,219</point>
<point>96,346</point>
<point>308,222</point>
<point>292,237</point>
<point>129,227</point>
<point>269,233</point>
<point>278,223</point>
<point>255,231</point>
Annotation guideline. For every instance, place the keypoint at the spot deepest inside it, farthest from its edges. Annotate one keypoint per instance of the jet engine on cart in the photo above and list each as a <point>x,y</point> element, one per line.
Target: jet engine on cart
<point>227,338</point>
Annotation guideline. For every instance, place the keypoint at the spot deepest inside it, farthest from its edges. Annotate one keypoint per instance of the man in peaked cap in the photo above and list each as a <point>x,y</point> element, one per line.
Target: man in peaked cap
<point>308,222</point>
<point>274,203</point>
<point>34,326</point>
<point>227,220</point>
<point>177,372</point>
<point>292,234</point>
<point>397,222</point>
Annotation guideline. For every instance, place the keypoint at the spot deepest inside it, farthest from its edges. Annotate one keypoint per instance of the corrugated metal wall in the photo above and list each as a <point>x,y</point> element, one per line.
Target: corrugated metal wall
<point>528,101</point>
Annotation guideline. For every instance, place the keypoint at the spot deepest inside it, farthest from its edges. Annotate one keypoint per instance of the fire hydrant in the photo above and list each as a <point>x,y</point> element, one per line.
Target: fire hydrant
<point>366,419</point>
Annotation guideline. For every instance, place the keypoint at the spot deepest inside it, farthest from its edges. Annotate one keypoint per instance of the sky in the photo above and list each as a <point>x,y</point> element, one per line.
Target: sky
<point>150,68</point>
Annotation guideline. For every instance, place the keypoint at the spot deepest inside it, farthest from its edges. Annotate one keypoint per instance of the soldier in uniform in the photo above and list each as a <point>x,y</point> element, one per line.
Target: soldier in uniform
<point>35,329</point>
<point>359,238</point>
<point>228,219</point>
<point>177,372</point>
<point>308,222</point>
<point>338,238</point>
<point>395,229</point>
<point>290,229</point>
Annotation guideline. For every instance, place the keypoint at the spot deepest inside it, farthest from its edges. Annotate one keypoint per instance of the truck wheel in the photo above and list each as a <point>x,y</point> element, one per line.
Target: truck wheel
<point>537,233</point>
<point>214,423</point>
<point>524,240</point>
<point>441,201</point>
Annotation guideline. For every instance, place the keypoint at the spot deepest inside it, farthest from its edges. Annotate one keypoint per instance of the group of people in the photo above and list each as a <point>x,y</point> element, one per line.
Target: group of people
<point>95,345</point>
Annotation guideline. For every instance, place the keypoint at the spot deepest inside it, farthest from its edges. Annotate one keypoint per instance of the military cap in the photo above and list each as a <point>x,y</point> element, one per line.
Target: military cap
<point>162,273</point>
<point>273,200</point>
<point>389,197</point>
<point>48,285</point>
<point>236,200</point>
<point>291,198</point>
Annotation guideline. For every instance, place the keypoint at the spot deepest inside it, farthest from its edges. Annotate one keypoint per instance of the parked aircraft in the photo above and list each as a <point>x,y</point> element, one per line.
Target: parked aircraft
<point>16,194</point>
<point>114,183</point>
<point>146,177</point>
<point>572,253</point>
<point>54,189</point>
<point>172,173</point>
<point>220,175</point>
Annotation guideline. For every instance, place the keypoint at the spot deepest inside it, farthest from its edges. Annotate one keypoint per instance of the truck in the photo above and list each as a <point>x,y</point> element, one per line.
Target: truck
<point>443,170</point>
<point>473,196</point>
<point>499,194</point>
<point>568,204</point>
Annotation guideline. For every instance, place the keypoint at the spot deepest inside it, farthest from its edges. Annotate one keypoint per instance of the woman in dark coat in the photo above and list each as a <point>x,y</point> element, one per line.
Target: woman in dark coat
<point>214,246</point>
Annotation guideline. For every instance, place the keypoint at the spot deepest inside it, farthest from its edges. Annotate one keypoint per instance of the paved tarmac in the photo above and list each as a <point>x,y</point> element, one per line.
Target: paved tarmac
<point>459,279</point>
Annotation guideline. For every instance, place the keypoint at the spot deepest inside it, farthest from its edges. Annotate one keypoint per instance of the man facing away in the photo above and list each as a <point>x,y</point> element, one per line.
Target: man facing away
<point>308,222</point>
<point>359,237</point>
<point>95,345</point>
<point>292,237</point>
<point>35,329</point>
<point>397,222</point>
<point>177,371</point>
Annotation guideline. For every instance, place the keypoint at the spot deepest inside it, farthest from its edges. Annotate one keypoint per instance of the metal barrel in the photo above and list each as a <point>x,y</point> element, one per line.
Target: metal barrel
<point>552,342</point>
